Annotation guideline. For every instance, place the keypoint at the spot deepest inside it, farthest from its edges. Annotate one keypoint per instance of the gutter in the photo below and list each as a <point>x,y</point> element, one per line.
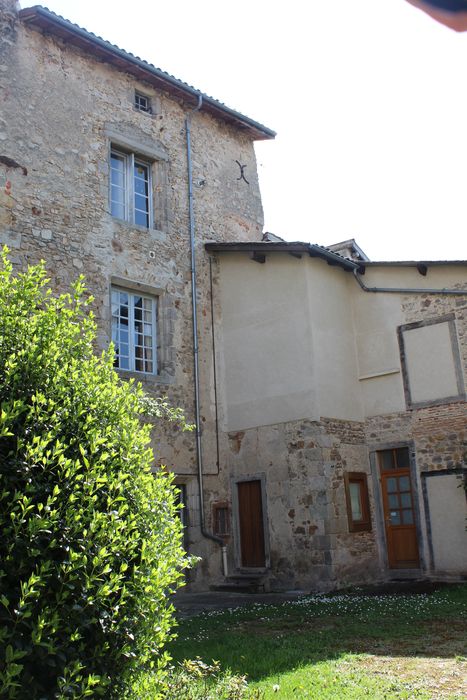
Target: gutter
<point>409,290</point>
<point>258,252</point>
<point>199,453</point>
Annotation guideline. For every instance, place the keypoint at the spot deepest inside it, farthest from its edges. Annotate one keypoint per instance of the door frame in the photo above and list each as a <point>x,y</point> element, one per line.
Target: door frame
<point>379,508</point>
<point>234,480</point>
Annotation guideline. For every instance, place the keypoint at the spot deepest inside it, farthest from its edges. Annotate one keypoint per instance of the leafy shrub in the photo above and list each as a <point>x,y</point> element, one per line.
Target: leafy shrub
<point>90,545</point>
<point>193,679</point>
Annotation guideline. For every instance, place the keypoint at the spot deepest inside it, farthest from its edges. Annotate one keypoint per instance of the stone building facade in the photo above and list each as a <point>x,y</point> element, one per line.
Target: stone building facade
<point>307,382</point>
<point>69,115</point>
<point>343,407</point>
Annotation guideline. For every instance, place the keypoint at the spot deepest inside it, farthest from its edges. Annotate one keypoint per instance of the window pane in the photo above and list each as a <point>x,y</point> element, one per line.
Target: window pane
<point>142,102</point>
<point>406,500</point>
<point>221,521</point>
<point>124,363</point>
<point>141,186</point>
<point>180,499</point>
<point>143,334</point>
<point>395,517</point>
<point>141,203</point>
<point>117,210</point>
<point>355,500</point>
<point>407,517</point>
<point>141,219</point>
<point>120,329</point>
<point>123,336</point>
<point>391,485</point>
<point>141,171</point>
<point>141,194</point>
<point>393,501</point>
<point>386,458</point>
<point>404,483</point>
<point>117,203</point>
<point>134,339</point>
<point>117,177</point>
<point>118,186</point>
<point>402,457</point>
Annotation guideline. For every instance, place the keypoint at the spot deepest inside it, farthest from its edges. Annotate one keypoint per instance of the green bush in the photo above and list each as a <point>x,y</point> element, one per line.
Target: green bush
<point>192,679</point>
<point>90,545</point>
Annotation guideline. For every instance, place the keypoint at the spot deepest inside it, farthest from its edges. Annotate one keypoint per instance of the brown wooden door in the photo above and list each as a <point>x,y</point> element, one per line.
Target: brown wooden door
<point>250,511</point>
<point>399,518</point>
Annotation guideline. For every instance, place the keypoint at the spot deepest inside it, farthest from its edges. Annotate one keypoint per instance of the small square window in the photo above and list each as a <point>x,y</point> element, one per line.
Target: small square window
<point>358,504</point>
<point>142,103</point>
<point>134,325</point>
<point>130,188</point>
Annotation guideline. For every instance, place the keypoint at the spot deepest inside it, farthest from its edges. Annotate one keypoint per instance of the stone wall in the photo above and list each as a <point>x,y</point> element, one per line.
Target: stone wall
<point>303,463</point>
<point>61,109</point>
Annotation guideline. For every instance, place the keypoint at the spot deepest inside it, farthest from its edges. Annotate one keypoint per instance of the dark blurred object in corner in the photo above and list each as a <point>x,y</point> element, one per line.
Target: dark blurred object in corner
<point>451,13</point>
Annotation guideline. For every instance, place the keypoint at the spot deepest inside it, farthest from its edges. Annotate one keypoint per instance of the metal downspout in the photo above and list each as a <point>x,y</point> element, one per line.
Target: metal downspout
<point>199,453</point>
<point>408,290</point>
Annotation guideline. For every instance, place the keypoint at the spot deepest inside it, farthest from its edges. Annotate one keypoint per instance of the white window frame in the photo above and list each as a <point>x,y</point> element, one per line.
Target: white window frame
<point>138,102</point>
<point>115,325</point>
<point>130,160</point>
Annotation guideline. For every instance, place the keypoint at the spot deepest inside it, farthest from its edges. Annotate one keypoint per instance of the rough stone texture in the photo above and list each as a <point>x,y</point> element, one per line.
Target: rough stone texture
<point>303,465</point>
<point>60,111</point>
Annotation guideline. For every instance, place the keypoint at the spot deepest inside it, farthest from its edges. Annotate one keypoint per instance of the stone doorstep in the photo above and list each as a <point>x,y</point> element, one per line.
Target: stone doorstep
<point>241,581</point>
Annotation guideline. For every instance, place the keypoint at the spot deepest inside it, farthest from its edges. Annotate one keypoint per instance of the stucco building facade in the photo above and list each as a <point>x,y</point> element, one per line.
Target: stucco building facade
<point>332,420</point>
<point>344,397</point>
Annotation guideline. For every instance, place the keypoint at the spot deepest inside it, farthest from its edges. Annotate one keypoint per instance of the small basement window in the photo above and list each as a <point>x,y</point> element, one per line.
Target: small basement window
<point>358,504</point>
<point>142,102</point>
<point>221,519</point>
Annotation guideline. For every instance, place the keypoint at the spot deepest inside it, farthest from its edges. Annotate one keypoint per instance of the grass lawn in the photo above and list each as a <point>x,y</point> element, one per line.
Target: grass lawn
<point>342,647</point>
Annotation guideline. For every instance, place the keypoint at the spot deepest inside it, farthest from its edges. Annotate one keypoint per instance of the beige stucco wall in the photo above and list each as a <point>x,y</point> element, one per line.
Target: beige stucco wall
<point>303,340</point>
<point>447,514</point>
<point>334,349</point>
<point>267,347</point>
<point>287,341</point>
<point>298,322</point>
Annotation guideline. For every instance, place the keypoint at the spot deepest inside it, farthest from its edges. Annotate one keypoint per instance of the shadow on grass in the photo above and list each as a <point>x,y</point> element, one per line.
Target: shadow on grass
<point>264,640</point>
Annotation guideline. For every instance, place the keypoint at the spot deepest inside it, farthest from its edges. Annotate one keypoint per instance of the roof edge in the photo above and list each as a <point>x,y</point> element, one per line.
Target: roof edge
<point>46,19</point>
<point>295,248</point>
<point>410,263</point>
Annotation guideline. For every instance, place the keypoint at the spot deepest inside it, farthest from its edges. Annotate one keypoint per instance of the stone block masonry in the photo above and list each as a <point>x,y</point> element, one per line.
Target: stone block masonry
<point>61,112</point>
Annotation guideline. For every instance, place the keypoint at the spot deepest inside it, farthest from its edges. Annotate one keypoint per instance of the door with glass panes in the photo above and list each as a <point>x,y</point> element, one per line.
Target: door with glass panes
<point>399,508</point>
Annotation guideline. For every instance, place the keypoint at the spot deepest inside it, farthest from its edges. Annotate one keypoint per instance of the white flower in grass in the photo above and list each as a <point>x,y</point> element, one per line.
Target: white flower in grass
<point>276,687</point>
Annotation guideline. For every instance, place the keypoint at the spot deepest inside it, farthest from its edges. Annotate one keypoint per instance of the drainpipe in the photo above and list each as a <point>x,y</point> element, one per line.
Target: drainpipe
<point>199,453</point>
<point>408,290</point>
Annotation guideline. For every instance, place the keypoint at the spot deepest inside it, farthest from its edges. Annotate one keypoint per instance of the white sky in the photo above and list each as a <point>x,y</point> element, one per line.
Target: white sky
<point>368,97</point>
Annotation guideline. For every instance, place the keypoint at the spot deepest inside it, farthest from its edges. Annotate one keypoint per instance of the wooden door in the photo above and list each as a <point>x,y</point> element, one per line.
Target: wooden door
<point>399,518</point>
<point>250,512</point>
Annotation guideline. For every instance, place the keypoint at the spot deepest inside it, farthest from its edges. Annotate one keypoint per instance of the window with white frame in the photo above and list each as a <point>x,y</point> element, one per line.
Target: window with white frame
<point>142,102</point>
<point>134,325</point>
<point>130,188</point>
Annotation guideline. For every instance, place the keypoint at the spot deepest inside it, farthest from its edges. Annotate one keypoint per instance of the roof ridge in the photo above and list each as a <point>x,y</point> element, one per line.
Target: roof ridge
<point>30,13</point>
